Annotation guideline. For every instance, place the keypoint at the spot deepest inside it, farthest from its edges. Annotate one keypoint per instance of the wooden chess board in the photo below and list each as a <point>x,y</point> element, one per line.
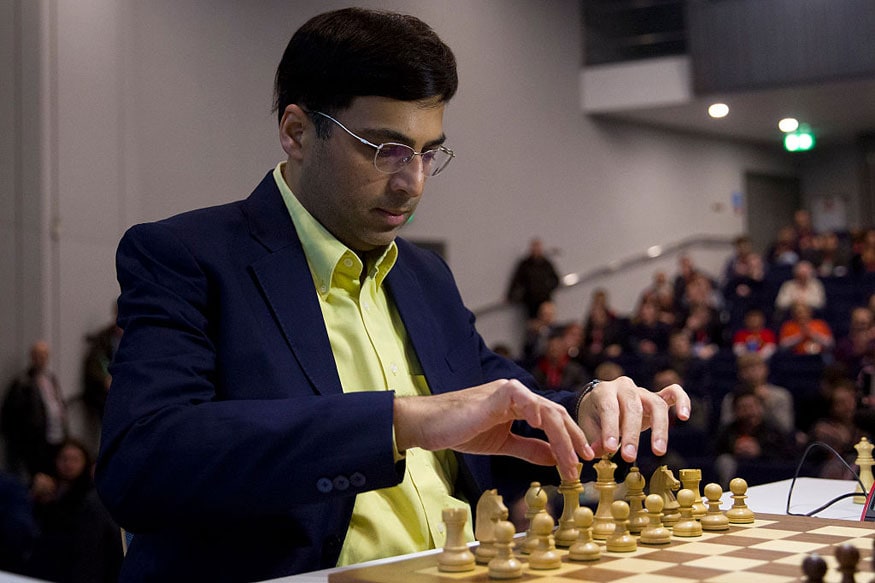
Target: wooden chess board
<point>770,550</point>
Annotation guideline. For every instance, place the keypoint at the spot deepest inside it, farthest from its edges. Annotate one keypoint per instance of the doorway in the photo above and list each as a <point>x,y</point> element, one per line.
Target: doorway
<point>771,202</point>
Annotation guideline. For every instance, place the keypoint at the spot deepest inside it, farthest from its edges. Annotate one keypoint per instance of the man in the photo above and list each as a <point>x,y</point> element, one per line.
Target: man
<point>295,387</point>
<point>534,280</point>
<point>34,416</point>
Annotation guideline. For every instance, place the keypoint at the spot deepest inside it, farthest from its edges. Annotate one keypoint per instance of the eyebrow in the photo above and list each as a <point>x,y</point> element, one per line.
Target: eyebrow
<point>384,135</point>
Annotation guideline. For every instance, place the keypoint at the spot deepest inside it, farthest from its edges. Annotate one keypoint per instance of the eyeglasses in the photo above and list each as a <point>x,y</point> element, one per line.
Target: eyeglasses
<point>391,157</point>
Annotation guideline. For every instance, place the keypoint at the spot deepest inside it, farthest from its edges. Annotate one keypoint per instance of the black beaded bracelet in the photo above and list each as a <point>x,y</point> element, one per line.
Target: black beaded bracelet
<point>587,389</point>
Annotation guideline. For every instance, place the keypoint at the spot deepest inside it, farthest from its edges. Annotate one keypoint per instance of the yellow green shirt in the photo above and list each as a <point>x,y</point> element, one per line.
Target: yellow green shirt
<point>372,353</point>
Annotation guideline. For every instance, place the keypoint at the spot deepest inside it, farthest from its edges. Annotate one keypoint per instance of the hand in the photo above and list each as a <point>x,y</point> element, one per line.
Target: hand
<point>616,412</point>
<point>478,420</point>
<point>43,488</point>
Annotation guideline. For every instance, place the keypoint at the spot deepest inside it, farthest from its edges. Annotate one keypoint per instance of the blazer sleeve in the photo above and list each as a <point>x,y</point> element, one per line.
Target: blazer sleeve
<point>185,440</point>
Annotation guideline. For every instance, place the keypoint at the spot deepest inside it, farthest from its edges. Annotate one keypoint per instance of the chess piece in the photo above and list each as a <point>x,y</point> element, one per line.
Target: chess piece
<point>865,462</point>
<point>714,519</point>
<point>456,557</point>
<point>544,556</point>
<point>504,565</point>
<point>621,541</point>
<point>690,479</point>
<point>635,495</point>
<point>739,513</point>
<point>566,534</point>
<point>814,568</point>
<point>490,509</point>
<point>654,533</point>
<point>603,525</point>
<point>536,503</point>
<point>847,556</point>
<point>584,549</point>
<point>687,526</point>
<point>664,483</point>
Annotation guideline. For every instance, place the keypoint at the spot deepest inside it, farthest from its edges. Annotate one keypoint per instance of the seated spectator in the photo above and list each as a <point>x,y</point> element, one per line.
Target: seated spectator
<point>699,410</point>
<point>744,270</point>
<point>572,333</point>
<point>803,230</point>
<point>538,330</point>
<point>777,402</point>
<point>692,370</point>
<point>804,287</point>
<point>557,371</point>
<point>609,371</point>
<point>838,429</point>
<point>863,259</point>
<point>705,331</point>
<point>832,259</point>
<point>783,250</point>
<point>603,338</point>
<point>754,337</point>
<point>647,335</point>
<point>661,292</point>
<point>853,349</point>
<point>78,540</point>
<point>803,334</point>
<point>750,436</point>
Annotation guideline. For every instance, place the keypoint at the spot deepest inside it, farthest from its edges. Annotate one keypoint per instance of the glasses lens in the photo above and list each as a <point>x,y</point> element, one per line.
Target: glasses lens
<point>393,157</point>
<point>439,160</point>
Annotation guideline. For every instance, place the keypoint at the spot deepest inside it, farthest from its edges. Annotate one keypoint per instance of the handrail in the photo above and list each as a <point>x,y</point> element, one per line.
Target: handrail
<point>570,280</point>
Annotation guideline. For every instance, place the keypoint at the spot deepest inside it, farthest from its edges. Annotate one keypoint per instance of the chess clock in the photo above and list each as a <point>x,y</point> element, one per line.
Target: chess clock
<point>869,508</point>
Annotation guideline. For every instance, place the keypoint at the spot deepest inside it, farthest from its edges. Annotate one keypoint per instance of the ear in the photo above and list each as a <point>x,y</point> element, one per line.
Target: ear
<point>292,127</point>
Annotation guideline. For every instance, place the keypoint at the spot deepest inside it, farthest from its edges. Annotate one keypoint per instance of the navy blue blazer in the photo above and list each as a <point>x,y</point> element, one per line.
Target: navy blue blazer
<point>228,445</point>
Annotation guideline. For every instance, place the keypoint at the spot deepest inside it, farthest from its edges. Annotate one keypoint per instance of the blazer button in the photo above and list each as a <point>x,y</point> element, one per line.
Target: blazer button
<point>357,479</point>
<point>341,483</point>
<point>324,485</point>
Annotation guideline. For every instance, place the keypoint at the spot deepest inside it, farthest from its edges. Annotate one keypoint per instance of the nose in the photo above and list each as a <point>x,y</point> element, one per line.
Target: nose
<point>410,179</point>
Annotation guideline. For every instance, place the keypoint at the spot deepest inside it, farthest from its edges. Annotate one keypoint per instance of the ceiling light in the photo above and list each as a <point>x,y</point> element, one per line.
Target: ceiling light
<point>718,110</point>
<point>788,124</point>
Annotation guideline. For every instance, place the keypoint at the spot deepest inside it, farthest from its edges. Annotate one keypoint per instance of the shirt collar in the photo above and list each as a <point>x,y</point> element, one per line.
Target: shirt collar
<point>327,257</point>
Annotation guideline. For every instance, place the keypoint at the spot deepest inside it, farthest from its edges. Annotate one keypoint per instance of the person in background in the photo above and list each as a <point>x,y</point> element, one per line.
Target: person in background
<point>555,370</point>
<point>783,250</point>
<point>744,271</point>
<point>34,416</point>
<point>754,337</point>
<point>96,379</point>
<point>804,334</point>
<point>777,402</point>
<point>534,280</point>
<point>603,338</point>
<point>538,331</point>
<point>751,435</point>
<point>855,349</point>
<point>78,541</point>
<point>839,430</point>
<point>803,287</point>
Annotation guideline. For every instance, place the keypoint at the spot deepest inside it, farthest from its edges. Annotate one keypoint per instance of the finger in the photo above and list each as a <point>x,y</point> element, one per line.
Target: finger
<point>632,415</point>
<point>657,409</point>
<point>675,396</point>
<point>606,409</point>
<point>536,451</point>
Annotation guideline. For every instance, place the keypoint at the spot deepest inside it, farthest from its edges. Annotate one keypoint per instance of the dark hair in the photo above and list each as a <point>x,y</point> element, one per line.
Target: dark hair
<point>338,56</point>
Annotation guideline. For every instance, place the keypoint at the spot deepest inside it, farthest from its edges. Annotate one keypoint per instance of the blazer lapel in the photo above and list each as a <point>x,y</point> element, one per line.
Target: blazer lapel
<point>284,278</point>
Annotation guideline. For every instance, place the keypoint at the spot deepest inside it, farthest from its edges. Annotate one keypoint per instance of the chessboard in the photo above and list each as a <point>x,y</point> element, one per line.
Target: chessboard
<point>770,550</point>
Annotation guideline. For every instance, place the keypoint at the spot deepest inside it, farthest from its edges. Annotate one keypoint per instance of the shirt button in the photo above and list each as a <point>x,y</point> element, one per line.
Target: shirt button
<point>366,306</point>
<point>347,262</point>
<point>357,479</point>
<point>323,288</point>
<point>341,483</point>
<point>324,485</point>
<point>394,368</point>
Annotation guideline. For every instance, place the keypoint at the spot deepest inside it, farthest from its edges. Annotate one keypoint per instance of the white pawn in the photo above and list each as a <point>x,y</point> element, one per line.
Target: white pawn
<point>714,520</point>
<point>584,549</point>
<point>544,556</point>
<point>536,503</point>
<point>739,513</point>
<point>687,525</point>
<point>635,494</point>
<point>504,565</point>
<point>655,533</point>
<point>621,541</point>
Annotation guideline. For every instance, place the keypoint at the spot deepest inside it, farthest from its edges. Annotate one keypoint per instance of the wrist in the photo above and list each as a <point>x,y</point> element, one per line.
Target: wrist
<point>586,390</point>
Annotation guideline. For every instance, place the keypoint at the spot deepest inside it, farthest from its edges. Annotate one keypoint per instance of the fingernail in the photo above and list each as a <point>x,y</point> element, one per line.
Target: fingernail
<point>684,412</point>
<point>611,444</point>
<point>630,451</point>
<point>659,445</point>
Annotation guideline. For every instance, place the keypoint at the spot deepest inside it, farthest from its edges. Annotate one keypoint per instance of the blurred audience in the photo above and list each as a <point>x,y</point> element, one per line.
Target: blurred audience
<point>804,334</point>
<point>534,280</point>
<point>754,337</point>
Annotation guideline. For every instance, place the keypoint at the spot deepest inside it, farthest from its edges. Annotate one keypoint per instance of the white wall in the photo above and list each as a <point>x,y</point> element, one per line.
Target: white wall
<point>162,106</point>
